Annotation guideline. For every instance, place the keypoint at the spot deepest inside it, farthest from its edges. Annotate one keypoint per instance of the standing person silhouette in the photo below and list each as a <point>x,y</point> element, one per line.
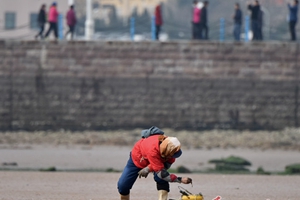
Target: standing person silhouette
<point>293,18</point>
<point>204,21</point>
<point>158,21</point>
<point>53,19</point>
<point>197,33</point>
<point>41,21</point>
<point>71,21</point>
<point>255,14</point>
<point>237,18</point>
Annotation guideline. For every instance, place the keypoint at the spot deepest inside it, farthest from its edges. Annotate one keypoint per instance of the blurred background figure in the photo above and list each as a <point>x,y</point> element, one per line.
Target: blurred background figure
<point>203,21</point>
<point>71,21</point>
<point>194,23</point>
<point>260,25</point>
<point>53,19</point>
<point>293,18</point>
<point>238,18</point>
<point>41,21</point>
<point>255,11</point>
<point>158,21</point>
<point>197,21</point>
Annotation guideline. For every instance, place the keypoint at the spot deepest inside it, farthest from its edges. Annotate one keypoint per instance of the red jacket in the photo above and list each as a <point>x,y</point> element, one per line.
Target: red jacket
<point>53,14</point>
<point>71,17</point>
<point>158,16</point>
<point>146,153</point>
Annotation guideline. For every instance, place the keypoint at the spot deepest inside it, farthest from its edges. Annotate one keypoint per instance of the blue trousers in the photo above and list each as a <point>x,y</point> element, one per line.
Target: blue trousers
<point>255,30</point>
<point>237,32</point>
<point>129,176</point>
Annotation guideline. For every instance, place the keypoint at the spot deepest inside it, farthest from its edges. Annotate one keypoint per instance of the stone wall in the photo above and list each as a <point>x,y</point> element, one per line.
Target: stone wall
<point>112,85</point>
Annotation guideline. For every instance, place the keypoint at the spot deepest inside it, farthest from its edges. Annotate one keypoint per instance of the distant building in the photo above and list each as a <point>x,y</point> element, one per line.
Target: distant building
<point>124,8</point>
<point>18,18</point>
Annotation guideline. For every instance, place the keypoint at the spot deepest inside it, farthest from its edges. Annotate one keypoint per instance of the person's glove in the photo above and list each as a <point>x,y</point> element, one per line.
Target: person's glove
<point>144,172</point>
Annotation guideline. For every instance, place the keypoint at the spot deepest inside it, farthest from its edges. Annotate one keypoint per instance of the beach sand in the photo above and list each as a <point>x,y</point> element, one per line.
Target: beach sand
<point>102,186</point>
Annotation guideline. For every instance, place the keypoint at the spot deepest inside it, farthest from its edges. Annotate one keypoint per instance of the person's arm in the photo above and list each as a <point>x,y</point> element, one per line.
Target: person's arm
<point>158,167</point>
<point>166,176</point>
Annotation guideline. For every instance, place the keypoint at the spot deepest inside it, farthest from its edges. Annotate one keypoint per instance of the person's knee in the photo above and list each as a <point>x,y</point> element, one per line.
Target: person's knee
<point>123,192</point>
<point>123,188</point>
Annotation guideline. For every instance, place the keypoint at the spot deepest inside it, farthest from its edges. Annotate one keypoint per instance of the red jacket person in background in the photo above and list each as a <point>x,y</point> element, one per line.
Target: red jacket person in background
<point>153,153</point>
<point>158,21</point>
<point>53,19</point>
<point>71,21</point>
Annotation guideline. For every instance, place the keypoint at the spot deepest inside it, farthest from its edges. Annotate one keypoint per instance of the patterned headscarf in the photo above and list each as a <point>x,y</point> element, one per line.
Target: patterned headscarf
<point>169,146</point>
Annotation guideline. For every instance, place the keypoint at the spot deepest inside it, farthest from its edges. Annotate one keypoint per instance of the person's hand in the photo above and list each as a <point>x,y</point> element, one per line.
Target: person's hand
<point>186,180</point>
<point>144,172</point>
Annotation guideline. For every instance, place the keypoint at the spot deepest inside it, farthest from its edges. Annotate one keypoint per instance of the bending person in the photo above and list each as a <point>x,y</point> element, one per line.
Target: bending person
<point>153,153</point>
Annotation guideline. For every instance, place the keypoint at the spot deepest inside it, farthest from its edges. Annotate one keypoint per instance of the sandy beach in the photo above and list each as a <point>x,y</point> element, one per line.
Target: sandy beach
<point>30,153</point>
<point>102,186</point>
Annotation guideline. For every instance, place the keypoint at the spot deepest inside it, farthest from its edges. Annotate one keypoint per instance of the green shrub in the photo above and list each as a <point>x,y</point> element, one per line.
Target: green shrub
<point>49,169</point>
<point>216,161</point>
<point>183,169</point>
<point>234,160</point>
<point>230,167</point>
<point>261,171</point>
<point>111,170</point>
<point>231,163</point>
<point>231,160</point>
<point>293,169</point>
<point>172,170</point>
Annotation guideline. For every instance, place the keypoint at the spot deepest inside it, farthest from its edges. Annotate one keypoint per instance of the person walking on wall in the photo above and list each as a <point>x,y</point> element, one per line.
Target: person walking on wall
<point>71,21</point>
<point>203,21</point>
<point>53,19</point>
<point>41,21</point>
<point>238,18</point>
<point>158,21</point>
<point>194,27</point>
<point>197,34</point>
<point>293,18</point>
<point>154,152</point>
<point>255,11</point>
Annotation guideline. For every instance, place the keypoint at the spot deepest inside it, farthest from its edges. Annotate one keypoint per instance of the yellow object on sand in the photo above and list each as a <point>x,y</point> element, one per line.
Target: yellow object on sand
<point>192,197</point>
